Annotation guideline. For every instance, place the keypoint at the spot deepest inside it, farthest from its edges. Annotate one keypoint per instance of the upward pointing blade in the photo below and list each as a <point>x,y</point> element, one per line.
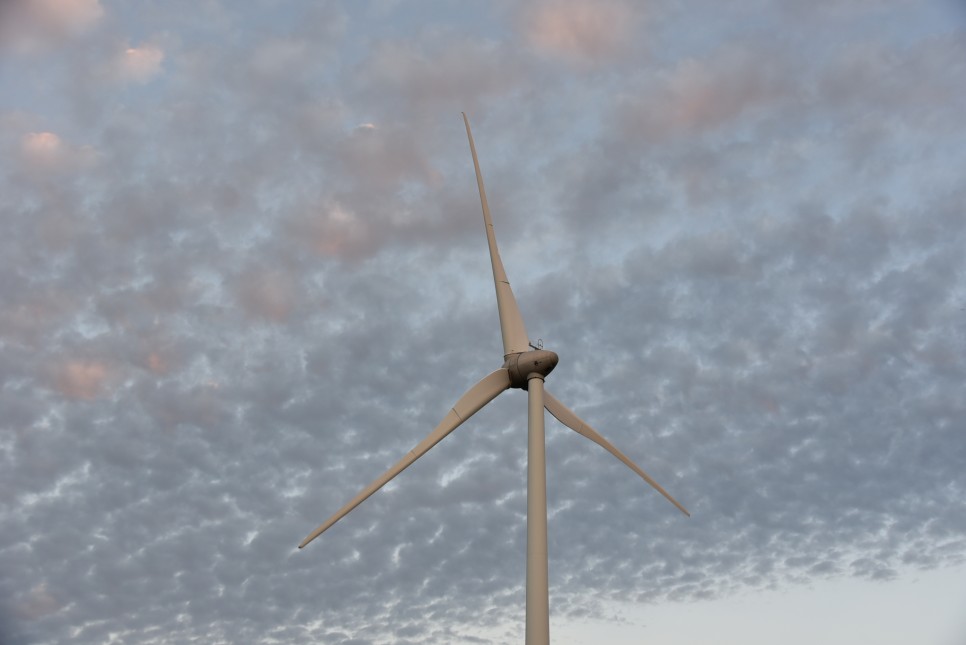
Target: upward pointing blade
<point>575,423</point>
<point>515,339</point>
<point>468,405</point>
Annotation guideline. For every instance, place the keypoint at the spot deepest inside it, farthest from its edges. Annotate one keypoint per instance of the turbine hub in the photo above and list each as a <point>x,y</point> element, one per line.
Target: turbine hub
<point>522,365</point>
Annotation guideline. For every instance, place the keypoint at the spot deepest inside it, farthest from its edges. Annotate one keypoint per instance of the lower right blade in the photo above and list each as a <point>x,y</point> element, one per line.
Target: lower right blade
<point>575,423</point>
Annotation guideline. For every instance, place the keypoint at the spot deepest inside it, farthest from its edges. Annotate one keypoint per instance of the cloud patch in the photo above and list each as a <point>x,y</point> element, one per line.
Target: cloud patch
<point>46,154</point>
<point>31,25</point>
<point>81,380</point>
<point>139,64</point>
<point>699,95</point>
<point>580,32</point>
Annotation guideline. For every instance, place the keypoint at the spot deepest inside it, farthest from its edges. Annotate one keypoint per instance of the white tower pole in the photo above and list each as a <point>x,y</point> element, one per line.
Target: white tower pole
<point>538,592</point>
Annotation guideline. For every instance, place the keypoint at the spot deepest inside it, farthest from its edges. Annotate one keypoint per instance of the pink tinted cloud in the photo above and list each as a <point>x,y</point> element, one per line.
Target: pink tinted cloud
<point>268,294</point>
<point>156,363</point>
<point>37,603</point>
<point>438,69</point>
<point>45,152</point>
<point>578,31</point>
<point>66,15</point>
<point>335,231</point>
<point>33,25</point>
<point>139,64</point>
<point>41,147</point>
<point>698,95</point>
<point>384,156</point>
<point>81,380</point>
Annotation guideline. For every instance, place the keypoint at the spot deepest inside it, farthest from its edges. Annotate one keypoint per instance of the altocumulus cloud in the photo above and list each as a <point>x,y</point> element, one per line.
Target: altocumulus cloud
<point>243,272</point>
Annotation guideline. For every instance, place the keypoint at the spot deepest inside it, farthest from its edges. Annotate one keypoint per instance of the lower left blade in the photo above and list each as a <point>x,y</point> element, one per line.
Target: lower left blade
<point>468,405</point>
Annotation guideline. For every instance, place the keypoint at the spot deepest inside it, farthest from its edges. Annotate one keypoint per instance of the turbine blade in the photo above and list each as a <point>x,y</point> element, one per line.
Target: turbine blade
<point>575,423</point>
<point>470,403</point>
<point>515,339</point>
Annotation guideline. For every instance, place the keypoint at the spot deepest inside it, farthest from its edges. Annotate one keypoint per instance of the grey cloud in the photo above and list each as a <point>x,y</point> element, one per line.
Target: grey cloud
<point>39,25</point>
<point>439,70</point>
<point>582,34</point>
<point>698,95</point>
<point>249,307</point>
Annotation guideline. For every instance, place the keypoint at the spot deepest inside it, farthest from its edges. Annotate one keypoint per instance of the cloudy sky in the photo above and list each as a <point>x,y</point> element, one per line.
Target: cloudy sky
<point>243,271</point>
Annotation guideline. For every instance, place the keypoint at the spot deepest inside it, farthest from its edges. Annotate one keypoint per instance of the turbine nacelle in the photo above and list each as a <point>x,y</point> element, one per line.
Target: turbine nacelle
<point>522,365</point>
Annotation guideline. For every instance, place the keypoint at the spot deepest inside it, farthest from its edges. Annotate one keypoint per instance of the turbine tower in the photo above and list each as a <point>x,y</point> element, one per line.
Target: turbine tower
<point>524,367</point>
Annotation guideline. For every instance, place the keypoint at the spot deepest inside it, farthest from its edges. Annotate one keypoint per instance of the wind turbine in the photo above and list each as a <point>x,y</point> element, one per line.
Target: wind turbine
<point>524,367</point>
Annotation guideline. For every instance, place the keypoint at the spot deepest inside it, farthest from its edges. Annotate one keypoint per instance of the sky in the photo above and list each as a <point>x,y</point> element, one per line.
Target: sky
<point>243,271</point>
